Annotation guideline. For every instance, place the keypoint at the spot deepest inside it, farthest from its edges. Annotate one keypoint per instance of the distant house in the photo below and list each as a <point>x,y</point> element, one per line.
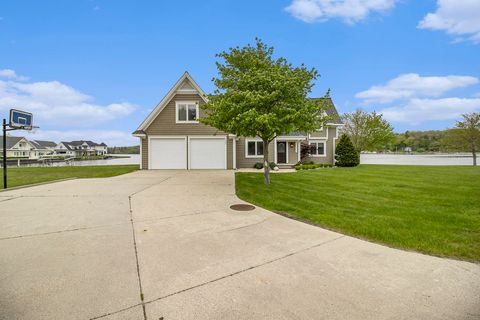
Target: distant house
<point>43,148</point>
<point>64,149</point>
<point>81,148</point>
<point>20,147</point>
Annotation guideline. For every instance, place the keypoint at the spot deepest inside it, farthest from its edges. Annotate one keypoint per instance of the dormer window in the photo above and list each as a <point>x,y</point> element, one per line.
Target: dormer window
<point>186,111</point>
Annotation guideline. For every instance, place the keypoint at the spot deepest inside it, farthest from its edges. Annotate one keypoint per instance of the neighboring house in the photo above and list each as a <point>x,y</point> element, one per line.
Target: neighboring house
<point>64,149</point>
<point>43,148</point>
<point>171,137</point>
<point>20,147</point>
<point>81,148</point>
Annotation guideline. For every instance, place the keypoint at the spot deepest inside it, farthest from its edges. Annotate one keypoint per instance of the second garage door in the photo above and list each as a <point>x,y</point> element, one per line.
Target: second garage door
<point>208,153</point>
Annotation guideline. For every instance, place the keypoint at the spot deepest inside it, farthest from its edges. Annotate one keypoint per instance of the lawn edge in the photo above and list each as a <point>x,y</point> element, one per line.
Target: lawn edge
<point>314,224</point>
<point>306,221</point>
<point>37,184</point>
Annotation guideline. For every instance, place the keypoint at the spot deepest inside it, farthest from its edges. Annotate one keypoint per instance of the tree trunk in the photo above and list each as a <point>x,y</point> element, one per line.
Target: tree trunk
<point>266,165</point>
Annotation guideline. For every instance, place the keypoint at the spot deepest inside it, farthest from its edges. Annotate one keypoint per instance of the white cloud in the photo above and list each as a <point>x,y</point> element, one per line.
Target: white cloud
<point>417,111</point>
<point>72,114</point>
<point>413,85</point>
<point>350,11</point>
<point>54,103</point>
<point>460,18</point>
<point>110,137</point>
<point>11,74</point>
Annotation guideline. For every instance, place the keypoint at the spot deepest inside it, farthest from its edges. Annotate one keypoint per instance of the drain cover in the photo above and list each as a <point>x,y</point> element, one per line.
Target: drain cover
<point>242,207</point>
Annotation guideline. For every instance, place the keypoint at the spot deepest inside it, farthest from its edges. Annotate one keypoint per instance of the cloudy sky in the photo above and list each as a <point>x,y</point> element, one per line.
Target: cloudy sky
<point>91,69</point>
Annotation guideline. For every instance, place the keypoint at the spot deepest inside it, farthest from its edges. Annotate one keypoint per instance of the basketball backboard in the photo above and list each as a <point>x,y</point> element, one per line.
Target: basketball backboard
<point>21,119</point>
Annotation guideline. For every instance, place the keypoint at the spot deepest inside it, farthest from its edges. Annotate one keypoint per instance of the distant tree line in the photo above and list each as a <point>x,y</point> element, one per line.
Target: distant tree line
<point>419,141</point>
<point>124,150</point>
<point>368,131</point>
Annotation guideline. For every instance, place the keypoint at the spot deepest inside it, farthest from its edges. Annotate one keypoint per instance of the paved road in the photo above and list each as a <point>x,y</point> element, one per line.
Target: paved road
<point>90,249</point>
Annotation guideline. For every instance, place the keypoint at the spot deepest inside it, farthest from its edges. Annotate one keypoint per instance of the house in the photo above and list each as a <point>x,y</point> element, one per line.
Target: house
<point>171,137</point>
<point>43,148</point>
<point>20,147</point>
<point>64,149</point>
<point>81,148</point>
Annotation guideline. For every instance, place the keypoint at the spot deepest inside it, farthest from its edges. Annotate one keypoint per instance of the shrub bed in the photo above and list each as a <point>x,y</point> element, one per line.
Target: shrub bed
<point>313,166</point>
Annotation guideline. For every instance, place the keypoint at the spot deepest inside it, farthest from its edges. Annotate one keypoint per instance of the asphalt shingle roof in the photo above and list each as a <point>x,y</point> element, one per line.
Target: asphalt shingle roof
<point>11,141</point>
<point>45,144</point>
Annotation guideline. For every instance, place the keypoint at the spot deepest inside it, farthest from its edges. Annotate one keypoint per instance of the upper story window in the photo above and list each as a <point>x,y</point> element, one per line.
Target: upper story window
<point>317,148</point>
<point>186,111</point>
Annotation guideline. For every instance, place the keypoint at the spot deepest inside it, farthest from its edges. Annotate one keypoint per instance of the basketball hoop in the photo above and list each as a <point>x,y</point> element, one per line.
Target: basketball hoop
<point>19,120</point>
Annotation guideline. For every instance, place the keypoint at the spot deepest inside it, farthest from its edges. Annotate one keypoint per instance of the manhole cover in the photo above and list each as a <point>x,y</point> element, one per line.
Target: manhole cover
<point>242,207</point>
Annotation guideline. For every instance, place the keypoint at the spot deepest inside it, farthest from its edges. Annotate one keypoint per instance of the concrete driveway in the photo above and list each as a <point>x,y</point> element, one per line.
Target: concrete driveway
<point>91,249</point>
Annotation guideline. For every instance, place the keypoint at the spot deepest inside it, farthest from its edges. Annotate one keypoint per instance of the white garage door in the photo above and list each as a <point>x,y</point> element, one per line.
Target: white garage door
<point>168,153</point>
<point>208,153</point>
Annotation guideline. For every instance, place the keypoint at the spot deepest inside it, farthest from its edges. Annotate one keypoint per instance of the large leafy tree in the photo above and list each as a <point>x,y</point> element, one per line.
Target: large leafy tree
<point>465,136</point>
<point>367,131</point>
<point>261,96</point>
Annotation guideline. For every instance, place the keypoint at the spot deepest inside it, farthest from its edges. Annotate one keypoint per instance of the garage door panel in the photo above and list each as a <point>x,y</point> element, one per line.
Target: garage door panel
<point>168,153</point>
<point>207,153</point>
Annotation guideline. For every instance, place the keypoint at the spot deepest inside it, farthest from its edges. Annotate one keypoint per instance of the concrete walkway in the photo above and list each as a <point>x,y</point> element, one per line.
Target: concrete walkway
<point>91,249</point>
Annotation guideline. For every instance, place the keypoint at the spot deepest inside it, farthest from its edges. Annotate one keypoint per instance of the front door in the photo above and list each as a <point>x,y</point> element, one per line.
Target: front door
<point>281,152</point>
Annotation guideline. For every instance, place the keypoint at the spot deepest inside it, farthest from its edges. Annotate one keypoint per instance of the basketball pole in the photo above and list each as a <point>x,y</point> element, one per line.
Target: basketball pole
<point>4,154</point>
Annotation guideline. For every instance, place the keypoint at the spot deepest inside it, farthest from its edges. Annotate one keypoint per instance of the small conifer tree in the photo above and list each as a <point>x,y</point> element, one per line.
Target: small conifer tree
<point>346,155</point>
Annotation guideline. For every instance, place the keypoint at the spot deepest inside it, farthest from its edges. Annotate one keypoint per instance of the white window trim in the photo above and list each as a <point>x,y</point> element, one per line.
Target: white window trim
<point>187,103</point>
<point>324,155</point>
<point>246,149</point>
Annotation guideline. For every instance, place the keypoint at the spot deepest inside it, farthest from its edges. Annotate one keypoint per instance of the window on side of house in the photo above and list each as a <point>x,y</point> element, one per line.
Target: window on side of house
<point>317,148</point>
<point>254,149</point>
<point>187,112</point>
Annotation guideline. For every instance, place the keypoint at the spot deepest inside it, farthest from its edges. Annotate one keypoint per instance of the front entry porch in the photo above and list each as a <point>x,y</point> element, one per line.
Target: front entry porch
<point>287,152</point>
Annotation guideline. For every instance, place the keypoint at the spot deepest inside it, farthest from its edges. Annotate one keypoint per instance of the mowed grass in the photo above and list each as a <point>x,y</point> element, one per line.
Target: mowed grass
<point>433,210</point>
<point>31,175</point>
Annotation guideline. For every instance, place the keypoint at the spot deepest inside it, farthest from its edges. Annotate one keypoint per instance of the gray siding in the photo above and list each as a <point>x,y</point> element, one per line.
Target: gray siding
<point>329,144</point>
<point>320,134</point>
<point>144,154</point>
<point>165,123</point>
<point>243,162</point>
<point>230,153</point>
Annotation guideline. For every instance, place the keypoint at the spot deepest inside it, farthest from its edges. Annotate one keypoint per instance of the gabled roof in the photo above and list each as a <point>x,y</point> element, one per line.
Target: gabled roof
<point>44,144</point>
<point>331,110</point>
<point>11,141</point>
<point>89,143</point>
<point>182,87</point>
<point>67,145</point>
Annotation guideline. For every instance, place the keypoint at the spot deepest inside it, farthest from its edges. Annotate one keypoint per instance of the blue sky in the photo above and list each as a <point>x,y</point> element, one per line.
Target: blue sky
<point>92,69</point>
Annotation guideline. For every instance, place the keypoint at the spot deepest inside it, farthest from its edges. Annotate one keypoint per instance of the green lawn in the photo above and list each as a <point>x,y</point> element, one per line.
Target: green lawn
<point>30,175</point>
<point>434,210</point>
